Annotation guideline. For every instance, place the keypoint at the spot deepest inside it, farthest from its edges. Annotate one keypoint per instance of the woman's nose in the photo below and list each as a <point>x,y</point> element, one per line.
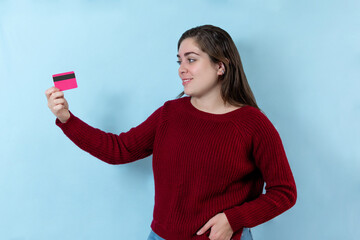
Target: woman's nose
<point>182,69</point>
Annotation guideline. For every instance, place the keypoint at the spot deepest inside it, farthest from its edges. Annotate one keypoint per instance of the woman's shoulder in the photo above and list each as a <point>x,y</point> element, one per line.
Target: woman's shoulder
<point>177,100</point>
<point>175,103</point>
<point>254,119</point>
<point>169,108</point>
<point>253,113</point>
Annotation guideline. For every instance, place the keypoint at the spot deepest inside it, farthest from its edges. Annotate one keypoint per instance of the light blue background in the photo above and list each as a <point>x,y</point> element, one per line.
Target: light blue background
<point>302,60</point>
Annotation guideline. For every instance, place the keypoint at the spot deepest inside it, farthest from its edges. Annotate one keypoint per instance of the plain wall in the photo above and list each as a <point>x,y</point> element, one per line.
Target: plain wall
<point>302,61</point>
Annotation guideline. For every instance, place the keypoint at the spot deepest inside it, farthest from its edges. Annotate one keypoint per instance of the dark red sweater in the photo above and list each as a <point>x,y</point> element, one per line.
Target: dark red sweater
<point>203,164</point>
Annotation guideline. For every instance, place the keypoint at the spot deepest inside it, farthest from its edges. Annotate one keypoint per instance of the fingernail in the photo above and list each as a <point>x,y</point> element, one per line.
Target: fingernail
<point>199,232</point>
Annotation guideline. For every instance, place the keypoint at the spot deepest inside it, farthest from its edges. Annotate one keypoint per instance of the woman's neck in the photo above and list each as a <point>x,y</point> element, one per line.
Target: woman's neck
<point>213,104</point>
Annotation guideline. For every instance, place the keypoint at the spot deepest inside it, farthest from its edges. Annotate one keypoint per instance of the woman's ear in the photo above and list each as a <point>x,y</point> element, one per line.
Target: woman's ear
<point>221,70</point>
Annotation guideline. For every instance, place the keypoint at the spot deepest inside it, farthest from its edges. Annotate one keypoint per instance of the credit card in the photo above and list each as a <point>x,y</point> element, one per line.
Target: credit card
<point>65,81</point>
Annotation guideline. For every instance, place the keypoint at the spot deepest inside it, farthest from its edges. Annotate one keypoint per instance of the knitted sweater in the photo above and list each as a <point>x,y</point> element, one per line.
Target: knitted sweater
<point>203,164</point>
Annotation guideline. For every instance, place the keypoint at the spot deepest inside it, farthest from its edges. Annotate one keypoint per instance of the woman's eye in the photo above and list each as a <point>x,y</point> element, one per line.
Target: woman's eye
<point>190,60</point>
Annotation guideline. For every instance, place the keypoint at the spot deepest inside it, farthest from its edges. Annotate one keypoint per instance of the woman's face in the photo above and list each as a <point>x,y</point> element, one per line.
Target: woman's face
<point>198,74</point>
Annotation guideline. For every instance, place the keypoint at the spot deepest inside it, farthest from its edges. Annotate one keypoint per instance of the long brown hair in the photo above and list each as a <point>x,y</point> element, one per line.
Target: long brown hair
<point>218,44</point>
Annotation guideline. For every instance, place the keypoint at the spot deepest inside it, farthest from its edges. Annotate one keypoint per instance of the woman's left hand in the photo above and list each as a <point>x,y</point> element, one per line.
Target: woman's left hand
<point>220,228</point>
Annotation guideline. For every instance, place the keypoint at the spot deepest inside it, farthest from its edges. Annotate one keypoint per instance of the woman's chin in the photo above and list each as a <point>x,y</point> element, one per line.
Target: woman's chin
<point>187,92</point>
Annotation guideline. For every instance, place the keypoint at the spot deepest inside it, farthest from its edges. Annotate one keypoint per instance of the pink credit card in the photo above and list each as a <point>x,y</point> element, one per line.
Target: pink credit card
<point>65,81</point>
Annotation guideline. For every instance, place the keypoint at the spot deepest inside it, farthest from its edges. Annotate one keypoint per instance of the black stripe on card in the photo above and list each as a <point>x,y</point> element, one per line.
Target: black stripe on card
<point>64,77</point>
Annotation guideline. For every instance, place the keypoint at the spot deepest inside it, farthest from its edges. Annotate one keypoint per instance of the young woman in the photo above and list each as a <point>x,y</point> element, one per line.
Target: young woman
<point>213,150</point>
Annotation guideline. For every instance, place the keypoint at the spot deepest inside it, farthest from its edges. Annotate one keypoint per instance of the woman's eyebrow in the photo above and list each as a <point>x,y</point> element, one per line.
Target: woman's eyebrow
<point>188,53</point>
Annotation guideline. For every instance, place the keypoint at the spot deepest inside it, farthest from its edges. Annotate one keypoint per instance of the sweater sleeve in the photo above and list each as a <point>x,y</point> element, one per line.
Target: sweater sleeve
<point>269,156</point>
<point>126,147</point>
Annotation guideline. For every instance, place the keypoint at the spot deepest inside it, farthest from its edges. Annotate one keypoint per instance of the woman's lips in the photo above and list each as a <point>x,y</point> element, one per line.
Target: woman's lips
<point>186,81</point>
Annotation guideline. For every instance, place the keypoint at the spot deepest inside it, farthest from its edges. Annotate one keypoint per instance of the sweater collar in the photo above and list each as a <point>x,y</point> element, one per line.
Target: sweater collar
<point>211,116</point>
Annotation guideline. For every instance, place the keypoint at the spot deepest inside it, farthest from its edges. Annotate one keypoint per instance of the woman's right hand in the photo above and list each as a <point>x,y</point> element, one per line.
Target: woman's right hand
<point>58,104</point>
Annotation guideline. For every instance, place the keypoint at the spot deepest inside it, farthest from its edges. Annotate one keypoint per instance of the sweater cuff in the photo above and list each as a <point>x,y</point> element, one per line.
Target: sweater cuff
<point>235,219</point>
<point>68,122</point>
